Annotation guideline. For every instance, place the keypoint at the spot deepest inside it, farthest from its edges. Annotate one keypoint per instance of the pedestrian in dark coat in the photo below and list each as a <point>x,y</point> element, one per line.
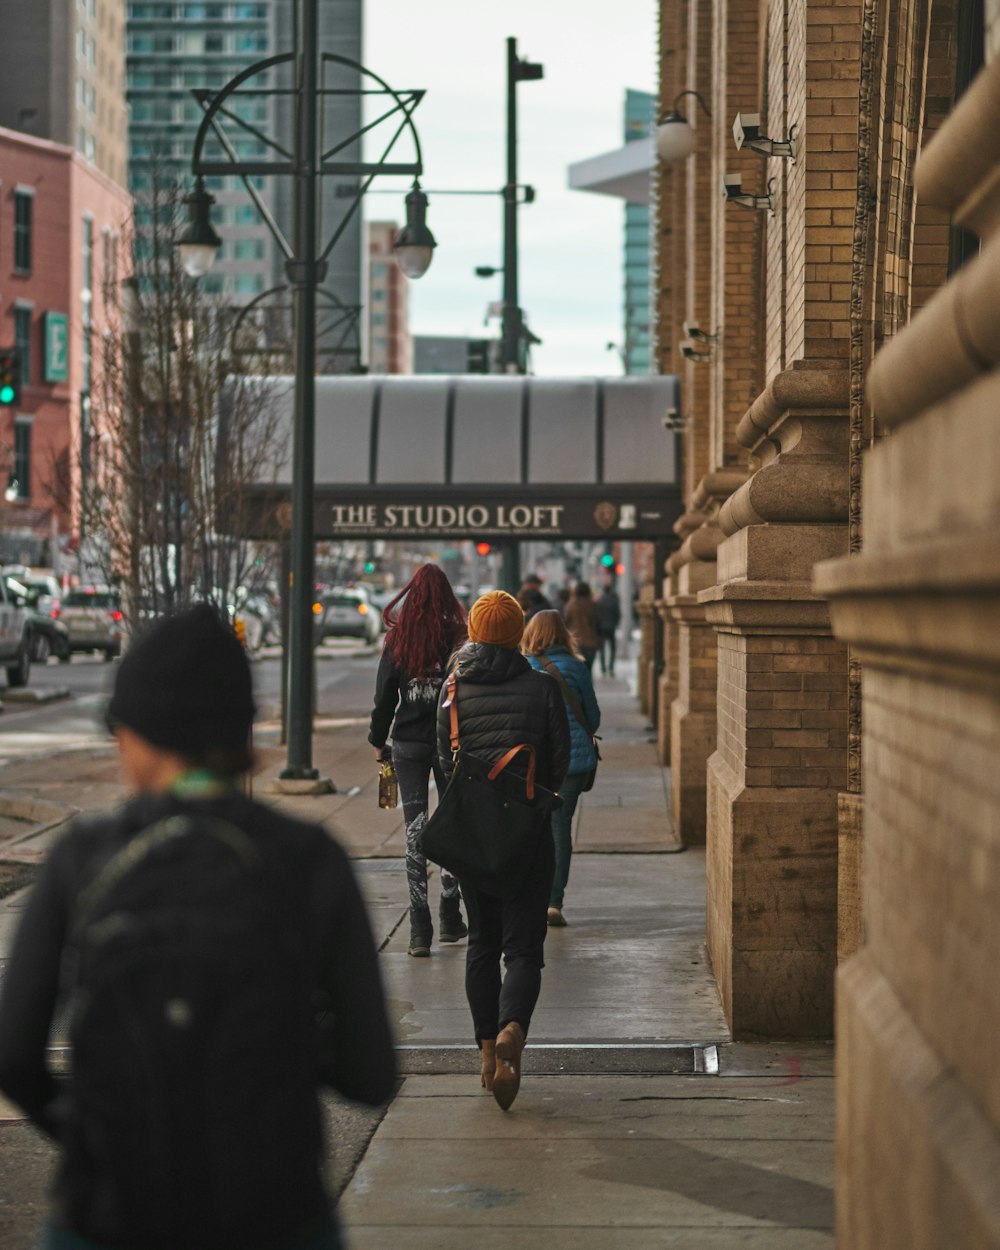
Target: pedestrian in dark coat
<point>425,625</point>
<point>151,1155</point>
<point>502,702</point>
<point>609,614</point>
<point>547,642</point>
<point>581,621</point>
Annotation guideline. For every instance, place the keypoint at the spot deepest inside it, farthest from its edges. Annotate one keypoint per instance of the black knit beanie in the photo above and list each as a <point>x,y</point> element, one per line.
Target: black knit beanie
<point>185,685</point>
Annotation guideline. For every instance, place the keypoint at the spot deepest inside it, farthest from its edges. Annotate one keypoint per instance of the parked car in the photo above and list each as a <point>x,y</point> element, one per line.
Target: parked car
<point>42,593</point>
<point>346,613</point>
<point>15,634</point>
<point>93,618</point>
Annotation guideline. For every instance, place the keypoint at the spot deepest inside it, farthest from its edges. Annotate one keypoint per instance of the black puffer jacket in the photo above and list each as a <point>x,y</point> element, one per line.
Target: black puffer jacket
<point>502,701</point>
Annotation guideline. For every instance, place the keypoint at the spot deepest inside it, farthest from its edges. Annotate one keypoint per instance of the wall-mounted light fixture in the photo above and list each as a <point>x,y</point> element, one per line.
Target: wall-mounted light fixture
<point>732,190</point>
<point>746,133</point>
<point>695,332</point>
<point>690,351</point>
<point>675,138</point>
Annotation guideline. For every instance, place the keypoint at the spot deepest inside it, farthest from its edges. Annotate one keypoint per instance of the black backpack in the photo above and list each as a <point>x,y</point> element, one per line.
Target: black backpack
<point>194,1069</point>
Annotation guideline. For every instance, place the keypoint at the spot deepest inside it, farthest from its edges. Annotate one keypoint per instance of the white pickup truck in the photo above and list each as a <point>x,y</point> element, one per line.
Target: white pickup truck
<point>15,635</point>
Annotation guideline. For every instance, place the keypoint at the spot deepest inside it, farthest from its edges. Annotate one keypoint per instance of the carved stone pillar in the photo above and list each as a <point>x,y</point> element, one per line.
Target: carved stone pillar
<point>647,663</point>
<point>669,673</point>
<point>693,710</point>
<point>781,756</point>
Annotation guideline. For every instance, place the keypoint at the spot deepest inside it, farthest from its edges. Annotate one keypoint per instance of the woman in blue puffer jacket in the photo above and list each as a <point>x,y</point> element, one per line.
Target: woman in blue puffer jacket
<point>550,647</point>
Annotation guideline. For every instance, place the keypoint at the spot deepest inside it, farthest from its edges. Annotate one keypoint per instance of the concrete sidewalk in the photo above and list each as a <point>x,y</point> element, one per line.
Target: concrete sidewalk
<point>639,1124</point>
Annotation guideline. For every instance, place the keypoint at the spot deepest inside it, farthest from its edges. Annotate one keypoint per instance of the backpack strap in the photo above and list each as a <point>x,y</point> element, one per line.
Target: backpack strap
<point>568,694</point>
<point>451,702</point>
<point>504,760</point>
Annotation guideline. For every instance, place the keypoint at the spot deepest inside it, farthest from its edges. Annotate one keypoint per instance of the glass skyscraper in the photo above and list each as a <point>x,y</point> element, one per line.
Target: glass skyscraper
<point>639,112</point>
<point>176,46</point>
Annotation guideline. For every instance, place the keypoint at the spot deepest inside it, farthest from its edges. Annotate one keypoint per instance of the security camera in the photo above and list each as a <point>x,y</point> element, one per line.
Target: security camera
<point>689,351</point>
<point>670,418</point>
<point>732,186</point>
<point>746,128</point>
<point>694,331</point>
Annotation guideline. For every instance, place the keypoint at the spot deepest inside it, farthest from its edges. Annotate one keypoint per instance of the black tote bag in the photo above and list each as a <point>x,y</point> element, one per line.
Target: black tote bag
<point>488,823</point>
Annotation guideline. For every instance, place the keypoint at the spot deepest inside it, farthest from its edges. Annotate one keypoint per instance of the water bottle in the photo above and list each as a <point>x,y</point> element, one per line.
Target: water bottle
<point>388,786</point>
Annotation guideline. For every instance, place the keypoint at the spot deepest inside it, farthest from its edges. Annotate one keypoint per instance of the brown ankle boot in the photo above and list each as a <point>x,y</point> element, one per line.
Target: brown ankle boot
<point>489,1050</point>
<point>507,1078</point>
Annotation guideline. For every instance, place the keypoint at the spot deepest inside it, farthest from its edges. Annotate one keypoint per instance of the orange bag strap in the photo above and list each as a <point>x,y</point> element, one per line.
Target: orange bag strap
<point>502,763</point>
<point>452,702</point>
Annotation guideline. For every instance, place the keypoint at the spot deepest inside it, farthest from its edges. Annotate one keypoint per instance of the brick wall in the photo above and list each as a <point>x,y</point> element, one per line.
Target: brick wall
<point>783,710</point>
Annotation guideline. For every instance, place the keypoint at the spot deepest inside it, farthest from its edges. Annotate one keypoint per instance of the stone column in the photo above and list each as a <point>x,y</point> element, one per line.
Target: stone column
<point>918,1008</point>
<point>669,676</point>
<point>781,755</point>
<point>648,663</point>
<point>693,711</point>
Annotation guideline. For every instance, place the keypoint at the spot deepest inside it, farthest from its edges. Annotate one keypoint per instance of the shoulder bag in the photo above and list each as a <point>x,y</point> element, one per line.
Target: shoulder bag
<point>488,823</point>
<point>574,705</point>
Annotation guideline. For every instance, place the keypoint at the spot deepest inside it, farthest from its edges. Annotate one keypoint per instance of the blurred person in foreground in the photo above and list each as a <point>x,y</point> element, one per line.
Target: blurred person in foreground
<point>581,621</point>
<point>425,625</point>
<point>549,648</point>
<point>217,967</point>
<point>502,702</point>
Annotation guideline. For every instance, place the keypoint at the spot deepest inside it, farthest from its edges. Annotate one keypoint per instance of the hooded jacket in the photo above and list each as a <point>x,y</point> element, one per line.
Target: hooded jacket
<point>502,702</point>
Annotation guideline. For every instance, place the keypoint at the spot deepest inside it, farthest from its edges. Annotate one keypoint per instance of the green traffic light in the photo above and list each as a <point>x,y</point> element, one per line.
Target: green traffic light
<point>607,560</point>
<point>6,394</point>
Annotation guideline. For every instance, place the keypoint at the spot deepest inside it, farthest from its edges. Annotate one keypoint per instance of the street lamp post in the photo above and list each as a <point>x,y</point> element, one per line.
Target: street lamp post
<point>513,330</point>
<point>306,264</point>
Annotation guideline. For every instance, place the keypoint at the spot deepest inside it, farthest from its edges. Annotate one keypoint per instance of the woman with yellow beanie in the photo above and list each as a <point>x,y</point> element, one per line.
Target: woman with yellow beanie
<point>502,701</point>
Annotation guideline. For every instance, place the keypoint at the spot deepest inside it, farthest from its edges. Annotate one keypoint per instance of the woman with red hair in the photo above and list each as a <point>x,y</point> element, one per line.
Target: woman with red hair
<point>425,624</point>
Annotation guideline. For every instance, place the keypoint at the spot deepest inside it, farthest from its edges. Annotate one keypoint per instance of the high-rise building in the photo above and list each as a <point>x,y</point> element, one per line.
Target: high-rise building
<point>64,77</point>
<point>390,344</point>
<point>639,109</point>
<point>175,47</point>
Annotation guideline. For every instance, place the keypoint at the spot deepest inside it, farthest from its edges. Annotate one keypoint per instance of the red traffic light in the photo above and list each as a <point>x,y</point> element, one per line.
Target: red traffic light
<point>483,549</point>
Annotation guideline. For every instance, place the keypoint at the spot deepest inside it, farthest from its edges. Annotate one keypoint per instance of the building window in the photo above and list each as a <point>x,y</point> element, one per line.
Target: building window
<point>248,249</point>
<point>22,455</point>
<point>22,341</point>
<point>22,231</point>
<point>248,283</point>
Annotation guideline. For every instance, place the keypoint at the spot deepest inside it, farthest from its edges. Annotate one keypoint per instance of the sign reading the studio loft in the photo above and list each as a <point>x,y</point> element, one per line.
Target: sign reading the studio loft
<point>404,516</point>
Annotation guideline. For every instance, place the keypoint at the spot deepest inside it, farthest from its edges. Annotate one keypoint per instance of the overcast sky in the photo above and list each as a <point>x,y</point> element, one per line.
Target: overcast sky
<point>570,241</point>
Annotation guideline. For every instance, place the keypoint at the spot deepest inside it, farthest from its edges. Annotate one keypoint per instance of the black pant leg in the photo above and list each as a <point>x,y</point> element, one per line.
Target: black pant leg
<point>482,961</point>
<point>525,925</point>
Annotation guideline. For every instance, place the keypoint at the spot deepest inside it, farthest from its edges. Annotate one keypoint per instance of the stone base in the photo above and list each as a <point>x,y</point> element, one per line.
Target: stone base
<point>772,905</point>
<point>850,929</point>
<point>918,1160</point>
<point>692,741</point>
<point>301,785</point>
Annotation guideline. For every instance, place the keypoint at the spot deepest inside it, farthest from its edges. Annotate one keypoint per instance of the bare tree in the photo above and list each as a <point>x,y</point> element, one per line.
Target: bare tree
<point>165,478</point>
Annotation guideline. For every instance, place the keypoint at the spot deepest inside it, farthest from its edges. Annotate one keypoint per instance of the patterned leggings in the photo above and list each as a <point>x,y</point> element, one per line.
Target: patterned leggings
<point>414,764</point>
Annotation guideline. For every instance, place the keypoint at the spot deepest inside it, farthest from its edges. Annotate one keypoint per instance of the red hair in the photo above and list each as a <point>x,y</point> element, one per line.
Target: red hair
<point>424,623</point>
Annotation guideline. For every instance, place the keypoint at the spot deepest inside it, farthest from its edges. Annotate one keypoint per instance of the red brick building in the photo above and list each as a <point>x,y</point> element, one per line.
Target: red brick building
<point>62,224</point>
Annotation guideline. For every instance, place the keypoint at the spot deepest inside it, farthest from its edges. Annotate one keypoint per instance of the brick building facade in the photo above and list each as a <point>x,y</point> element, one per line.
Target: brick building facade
<point>62,225</point>
<point>830,680</point>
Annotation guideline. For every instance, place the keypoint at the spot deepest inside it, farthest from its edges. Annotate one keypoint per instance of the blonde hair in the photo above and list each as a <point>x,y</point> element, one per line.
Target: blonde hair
<point>546,630</point>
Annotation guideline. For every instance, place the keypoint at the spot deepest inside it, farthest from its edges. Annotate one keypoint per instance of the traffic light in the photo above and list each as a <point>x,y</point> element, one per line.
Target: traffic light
<point>369,566</point>
<point>483,549</point>
<point>608,560</point>
<point>477,355</point>
<point>10,376</point>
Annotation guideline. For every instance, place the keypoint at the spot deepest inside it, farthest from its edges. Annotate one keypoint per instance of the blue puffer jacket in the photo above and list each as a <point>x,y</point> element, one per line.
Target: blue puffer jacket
<point>577,676</point>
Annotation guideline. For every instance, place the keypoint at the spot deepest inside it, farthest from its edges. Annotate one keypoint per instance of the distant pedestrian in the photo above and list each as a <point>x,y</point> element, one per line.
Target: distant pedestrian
<point>425,624</point>
<point>501,703</point>
<point>548,647</point>
<point>609,615</point>
<point>217,967</point>
<point>581,621</point>
<point>531,600</point>
<point>562,600</point>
